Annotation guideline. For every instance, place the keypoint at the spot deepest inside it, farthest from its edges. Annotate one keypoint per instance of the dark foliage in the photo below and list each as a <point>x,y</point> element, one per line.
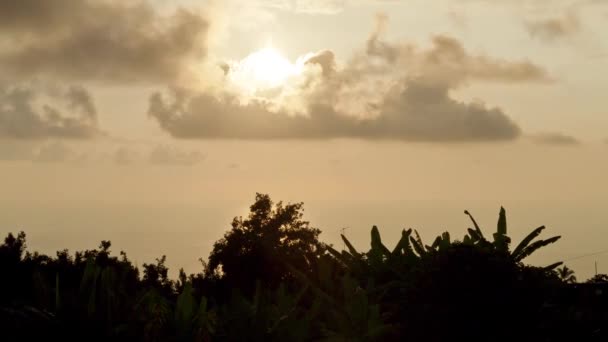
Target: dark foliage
<point>270,279</point>
<point>260,246</point>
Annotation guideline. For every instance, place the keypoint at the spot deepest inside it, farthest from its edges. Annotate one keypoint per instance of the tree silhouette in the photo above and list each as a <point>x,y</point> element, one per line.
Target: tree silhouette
<point>566,275</point>
<point>259,246</point>
<point>599,279</point>
<point>289,289</point>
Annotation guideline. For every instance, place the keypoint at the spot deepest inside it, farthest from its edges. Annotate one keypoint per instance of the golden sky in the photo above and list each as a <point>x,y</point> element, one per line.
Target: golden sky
<point>153,122</point>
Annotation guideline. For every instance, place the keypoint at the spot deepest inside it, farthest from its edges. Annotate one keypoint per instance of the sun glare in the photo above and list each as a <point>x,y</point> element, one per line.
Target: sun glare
<point>263,69</point>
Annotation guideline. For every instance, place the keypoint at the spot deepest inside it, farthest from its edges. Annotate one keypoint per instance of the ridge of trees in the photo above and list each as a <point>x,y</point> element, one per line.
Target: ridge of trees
<point>271,279</point>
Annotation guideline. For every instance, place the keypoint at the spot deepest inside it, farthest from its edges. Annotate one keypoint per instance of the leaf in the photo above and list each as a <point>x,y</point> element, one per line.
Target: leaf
<point>184,307</point>
<point>417,244</point>
<point>553,266</point>
<point>337,254</point>
<point>377,246</point>
<point>474,235</point>
<point>404,243</point>
<point>477,229</point>
<point>535,246</point>
<point>524,243</point>
<point>501,227</point>
<point>304,279</point>
<point>352,249</point>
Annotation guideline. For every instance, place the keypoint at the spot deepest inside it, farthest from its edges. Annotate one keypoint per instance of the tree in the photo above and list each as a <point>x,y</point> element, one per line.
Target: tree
<point>566,275</point>
<point>598,278</point>
<point>261,246</point>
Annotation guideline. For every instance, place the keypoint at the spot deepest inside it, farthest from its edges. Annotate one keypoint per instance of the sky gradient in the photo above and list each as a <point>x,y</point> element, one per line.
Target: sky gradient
<point>153,123</point>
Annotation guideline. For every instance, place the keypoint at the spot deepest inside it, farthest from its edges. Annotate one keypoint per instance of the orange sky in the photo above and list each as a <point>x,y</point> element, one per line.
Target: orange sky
<point>152,123</point>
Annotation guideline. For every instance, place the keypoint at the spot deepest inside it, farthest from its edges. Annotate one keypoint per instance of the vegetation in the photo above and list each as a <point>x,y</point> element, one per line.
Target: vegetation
<point>271,279</point>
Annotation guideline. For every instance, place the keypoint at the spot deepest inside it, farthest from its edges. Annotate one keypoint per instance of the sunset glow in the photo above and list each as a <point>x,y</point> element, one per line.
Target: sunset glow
<point>263,69</point>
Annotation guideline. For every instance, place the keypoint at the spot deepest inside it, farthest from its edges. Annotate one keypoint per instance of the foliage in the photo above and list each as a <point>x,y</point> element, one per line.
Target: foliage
<point>250,250</point>
<point>270,279</point>
<point>566,275</point>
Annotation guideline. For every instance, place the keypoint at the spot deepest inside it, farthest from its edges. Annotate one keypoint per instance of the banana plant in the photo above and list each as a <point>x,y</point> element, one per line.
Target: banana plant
<point>501,241</point>
<point>348,312</point>
<point>193,320</point>
<point>155,311</point>
<point>379,253</point>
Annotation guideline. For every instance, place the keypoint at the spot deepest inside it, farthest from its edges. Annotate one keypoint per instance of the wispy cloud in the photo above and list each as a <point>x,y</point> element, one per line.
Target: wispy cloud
<point>556,138</point>
<point>28,111</point>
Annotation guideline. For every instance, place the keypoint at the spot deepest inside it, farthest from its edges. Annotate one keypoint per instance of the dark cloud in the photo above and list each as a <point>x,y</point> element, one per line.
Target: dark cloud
<point>106,40</point>
<point>554,28</point>
<point>556,138</point>
<point>419,113</point>
<point>30,112</point>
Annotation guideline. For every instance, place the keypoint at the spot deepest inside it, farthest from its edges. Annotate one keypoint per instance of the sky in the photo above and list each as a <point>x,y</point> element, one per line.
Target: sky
<point>152,123</point>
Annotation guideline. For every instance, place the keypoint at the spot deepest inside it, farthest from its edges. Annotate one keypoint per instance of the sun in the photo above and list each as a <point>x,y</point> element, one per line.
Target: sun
<point>263,69</point>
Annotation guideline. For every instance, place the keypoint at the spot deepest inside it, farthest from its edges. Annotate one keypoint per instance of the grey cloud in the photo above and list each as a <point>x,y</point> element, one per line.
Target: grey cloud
<point>447,61</point>
<point>390,91</point>
<point>113,41</point>
<point>324,59</point>
<point>554,28</point>
<point>419,113</point>
<point>30,112</point>
<point>556,138</point>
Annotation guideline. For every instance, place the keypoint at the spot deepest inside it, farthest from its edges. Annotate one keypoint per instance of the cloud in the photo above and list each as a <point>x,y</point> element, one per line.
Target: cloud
<point>388,91</point>
<point>419,113</point>
<point>102,40</point>
<point>33,112</point>
<point>166,155</point>
<point>556,138</point>
<point>324,59</point>
<point>447,61</point>
<point>554,28</point>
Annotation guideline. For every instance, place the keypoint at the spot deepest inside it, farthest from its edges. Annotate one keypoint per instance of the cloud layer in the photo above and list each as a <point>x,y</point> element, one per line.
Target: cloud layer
<point>389,91</point>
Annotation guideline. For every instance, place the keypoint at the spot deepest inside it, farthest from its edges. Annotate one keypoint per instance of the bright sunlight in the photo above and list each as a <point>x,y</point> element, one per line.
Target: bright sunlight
<point>263,69</point>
